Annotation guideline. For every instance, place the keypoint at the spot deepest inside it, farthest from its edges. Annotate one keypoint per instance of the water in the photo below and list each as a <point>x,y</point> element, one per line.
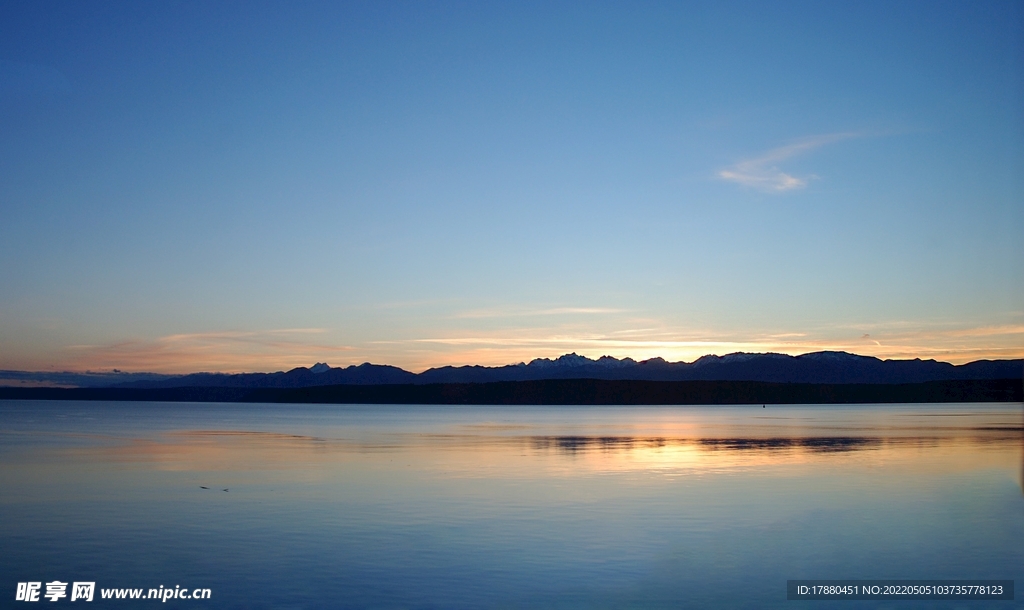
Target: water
<point>372,506</point>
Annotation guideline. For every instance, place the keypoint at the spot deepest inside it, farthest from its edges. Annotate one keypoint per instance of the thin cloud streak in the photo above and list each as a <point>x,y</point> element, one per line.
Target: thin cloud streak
<point>521,313</point>
<point>956,345</point>
<point>241,336</point>
<point>224,351</point>
<point>763,174</point>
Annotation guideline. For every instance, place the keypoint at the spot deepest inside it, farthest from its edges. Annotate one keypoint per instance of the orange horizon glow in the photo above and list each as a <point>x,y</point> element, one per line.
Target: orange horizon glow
<point>240,352</point>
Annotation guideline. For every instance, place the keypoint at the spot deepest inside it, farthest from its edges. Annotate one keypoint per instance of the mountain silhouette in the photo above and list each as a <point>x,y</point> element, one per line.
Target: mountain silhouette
<point>818,367</point>
<point>302,377</point>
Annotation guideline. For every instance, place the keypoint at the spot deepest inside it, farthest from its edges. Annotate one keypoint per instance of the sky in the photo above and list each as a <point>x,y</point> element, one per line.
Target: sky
<point>250,186</point>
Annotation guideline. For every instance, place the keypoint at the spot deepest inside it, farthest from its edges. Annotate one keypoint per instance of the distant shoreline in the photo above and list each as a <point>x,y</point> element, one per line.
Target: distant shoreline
<point>561,392</point>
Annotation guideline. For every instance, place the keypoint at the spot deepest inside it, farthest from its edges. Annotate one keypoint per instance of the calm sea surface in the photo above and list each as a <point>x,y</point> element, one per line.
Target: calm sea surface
<point>355,506</point>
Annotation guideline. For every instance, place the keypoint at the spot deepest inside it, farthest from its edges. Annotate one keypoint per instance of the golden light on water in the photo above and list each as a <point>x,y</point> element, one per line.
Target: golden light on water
<point>516,455</point>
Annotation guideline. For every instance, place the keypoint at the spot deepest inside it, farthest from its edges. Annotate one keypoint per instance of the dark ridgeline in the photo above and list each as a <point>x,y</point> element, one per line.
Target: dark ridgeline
<point>302,377</point>
<point>562,392</point>
<point>822,377</point>
<point>817,368</point>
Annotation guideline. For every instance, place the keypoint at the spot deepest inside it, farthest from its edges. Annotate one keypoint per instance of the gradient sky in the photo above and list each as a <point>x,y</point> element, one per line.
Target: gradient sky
<point>255,186</point>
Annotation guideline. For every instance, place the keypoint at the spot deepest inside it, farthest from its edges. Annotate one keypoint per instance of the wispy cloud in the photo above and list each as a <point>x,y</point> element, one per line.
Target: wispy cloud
<point>551,311</point>
<point>225,351</point>
<point>763,172</point>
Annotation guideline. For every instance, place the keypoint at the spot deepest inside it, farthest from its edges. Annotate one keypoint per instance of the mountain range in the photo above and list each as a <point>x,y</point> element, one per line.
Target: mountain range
<point>818,367</point>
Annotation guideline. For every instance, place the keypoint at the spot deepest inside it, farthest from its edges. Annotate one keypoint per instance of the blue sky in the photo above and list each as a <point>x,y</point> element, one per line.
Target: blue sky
<point>256,186</point>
